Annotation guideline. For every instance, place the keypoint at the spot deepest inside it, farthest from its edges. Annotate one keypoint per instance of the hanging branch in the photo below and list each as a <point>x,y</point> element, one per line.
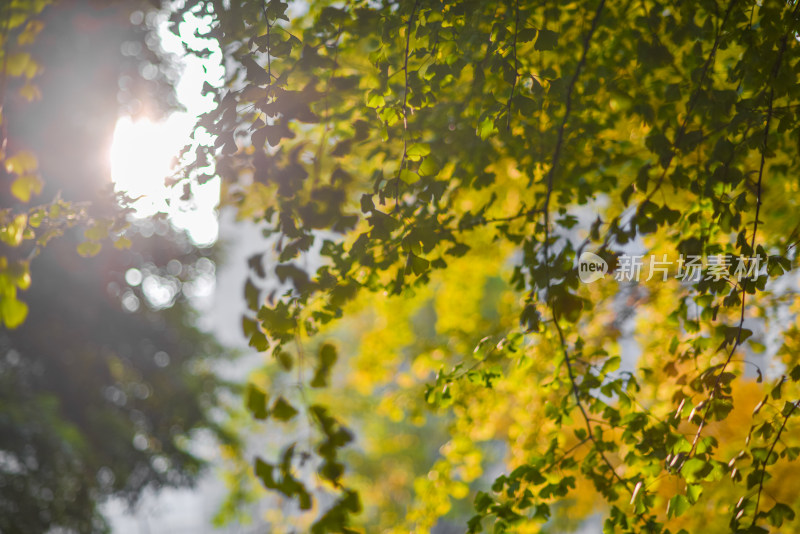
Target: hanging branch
<point>692,102</point>
<point>738,340</point>
<point>554,163</point>
<point>766,459</point>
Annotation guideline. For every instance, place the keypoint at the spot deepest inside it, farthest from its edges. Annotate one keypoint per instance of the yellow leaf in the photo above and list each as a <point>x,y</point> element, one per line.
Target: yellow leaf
<point>25,186</point>
<point>122,243</point>
<point>18,274</point>
<point>22,162</point>
<point>24,281</point>
<point>30,92</point>
<point>416,151</point>
<point>98,231</point>
<point>408,177</point>
<point>12,233</point>
<point>36,218</point>
<point>375,100</point>
<point>28,35</point>
<point>17,64</point>
<point>87,249</point>
<point>31,70</point>
<point>12,311</point>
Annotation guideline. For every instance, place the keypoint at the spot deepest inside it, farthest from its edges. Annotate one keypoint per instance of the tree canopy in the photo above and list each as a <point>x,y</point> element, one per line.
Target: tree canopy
<point>451,162</point>
<point>434,175</point>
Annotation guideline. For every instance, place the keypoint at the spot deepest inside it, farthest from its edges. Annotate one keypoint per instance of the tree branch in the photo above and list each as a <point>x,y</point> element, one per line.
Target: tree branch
<point>551,173</point>
<point>766,459</point>
<point>405,104</point>
<point>738,341</point>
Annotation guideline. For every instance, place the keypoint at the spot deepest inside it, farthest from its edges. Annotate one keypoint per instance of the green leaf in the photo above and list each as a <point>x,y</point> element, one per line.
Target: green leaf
<point>695,469</point>
<point>428,167</point>
<point>375,100</point>
<point>547,40</point>
<point>285,360</point>
<point>264,472</point>
<point>327,357</point>
<point>417,264</point>
<point>678,505</point>
<point>526,35</point>
<point>611,365</point>
<point>255,72</point>
<point>693,492</point>
<point>568,306</point>
<point>342,148</point>
<point>282,410</point>
<point>795,373</point>
<point>259,341</point>
<point>780,513</point>
<point>486,128</point>
<point>251,295</point>
<point>256,401</point>
<point>417,151</point>
<point>408,176</point>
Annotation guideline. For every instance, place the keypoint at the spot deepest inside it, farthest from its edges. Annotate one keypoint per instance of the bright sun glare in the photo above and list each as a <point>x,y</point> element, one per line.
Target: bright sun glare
<point>141,157</point>
<point>143,151</point>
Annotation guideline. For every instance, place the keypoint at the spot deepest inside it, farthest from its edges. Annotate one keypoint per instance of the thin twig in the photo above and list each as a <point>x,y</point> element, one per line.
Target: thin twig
<point>493,220</point>
<point>766,459</point>
<point>738,341</point>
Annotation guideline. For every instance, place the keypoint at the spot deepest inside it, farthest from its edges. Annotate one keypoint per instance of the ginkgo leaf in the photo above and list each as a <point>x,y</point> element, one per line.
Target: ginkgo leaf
<point>87,249</point>
<point>546,40</point>
<point>408,176</point>
<point>25,186</point>
<point>282,410</point>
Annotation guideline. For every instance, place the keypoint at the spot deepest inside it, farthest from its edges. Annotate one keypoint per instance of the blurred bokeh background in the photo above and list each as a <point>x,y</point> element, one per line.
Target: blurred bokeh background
<point>111,395</point>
